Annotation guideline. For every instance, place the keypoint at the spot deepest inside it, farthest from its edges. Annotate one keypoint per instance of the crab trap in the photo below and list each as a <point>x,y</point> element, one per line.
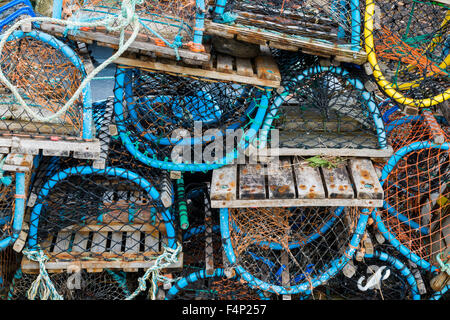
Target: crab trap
<point>415,217</point>
<point>14,10</point>
<point>180,118</point>
<point>407,43</point>
<point>118,217</point>
<point>38,107</point>
<point>326,28</point>
<point>170,28</point>
<point>79,285</point>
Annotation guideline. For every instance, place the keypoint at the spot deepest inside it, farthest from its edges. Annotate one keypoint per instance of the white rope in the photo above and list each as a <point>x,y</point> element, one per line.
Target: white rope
<point>126,18</point>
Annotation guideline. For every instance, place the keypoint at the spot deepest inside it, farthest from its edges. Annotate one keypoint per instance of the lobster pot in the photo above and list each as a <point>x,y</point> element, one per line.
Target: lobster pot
<point>169,24</point>
<point>323,110</point>
<point>408,47</point>
<point>45,74</point>
<point>13,10</point>
<point>106,214</point>
<point>415,217</point>
<point>290,250</point>
<point>105,285</point>
<point>381,275</point>
<point>315,26</point>
<point>9,262</point>
<point>183,123</point>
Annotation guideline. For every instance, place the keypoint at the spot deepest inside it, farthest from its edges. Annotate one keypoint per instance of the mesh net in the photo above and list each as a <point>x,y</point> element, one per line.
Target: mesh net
<point>109,214</point>
<point>168,23</point>
<point>183,120</point>
<point>290,246</point>
<point>408,42</point>
<point>7,14</point>
<point>324,20</point>
<point>323,107</point>
<point>416,190</point>
<point>9,262</point>
<point>46,79</point>
<point>105,285</point>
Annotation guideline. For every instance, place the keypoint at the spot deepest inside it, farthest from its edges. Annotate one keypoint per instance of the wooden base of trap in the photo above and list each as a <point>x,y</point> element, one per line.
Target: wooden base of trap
<point>141,44</point>
<point>260,71</point>
<point>293,182</point>
<point>285,42</point>
<point>72,249</point>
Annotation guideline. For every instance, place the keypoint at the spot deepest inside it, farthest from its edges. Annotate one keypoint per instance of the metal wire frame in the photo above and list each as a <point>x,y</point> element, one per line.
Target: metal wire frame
<point>172,23</point>
<point>79,116</point>
<point>304,282</point>
<point>147,132</point>
<point>342,17</point>
<point>318,89</point>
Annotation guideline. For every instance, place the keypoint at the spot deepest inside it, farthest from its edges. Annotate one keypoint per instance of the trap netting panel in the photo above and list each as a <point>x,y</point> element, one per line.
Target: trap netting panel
<point>13,10</point>
<point>371,278</point>
<point>105,285</point>
<point>408,46</point>
<point>104,213</point>
<point>170,23</point>
<point>46,73</point>
<point>9,262</point>
<point>415,183</point>
<point>326,20</point>
<point>183,120</point>
<point>287,247</point>
<point>324,107</point>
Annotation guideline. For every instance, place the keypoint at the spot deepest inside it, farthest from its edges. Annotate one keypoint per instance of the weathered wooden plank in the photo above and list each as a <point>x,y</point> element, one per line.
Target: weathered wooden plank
<point>244,67</point>
<point>308,180</point>
<point>62,242</point>
<point>334,152</point>
<point>18,162</point>
<point>151,242</point>
<point>224,183</point>
<point>285,275</point>
<point>114,226</point>
<point>252,183</point>
<point>280,179</point>
<point>337,183</point>
<point>224,63</point>
<point>116,242</point>
<point>99,242</point>
<point>365,178</point>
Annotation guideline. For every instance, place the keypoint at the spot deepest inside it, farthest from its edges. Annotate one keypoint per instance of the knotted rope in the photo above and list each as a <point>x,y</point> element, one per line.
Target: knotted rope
<point>168,257</point>
<point>445,267</point>
<point>42,285</point>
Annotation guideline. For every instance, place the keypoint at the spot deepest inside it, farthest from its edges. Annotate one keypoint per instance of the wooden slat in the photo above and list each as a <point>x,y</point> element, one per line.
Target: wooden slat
<point>244,67</point>
<point>116,242</point>
<point>62,242</point>
<point>224,63</point>
<point>266,68</point>
<point>224,183</point>
<point>99,242</point>
<point>366,182</point>
<point>308,180</point>
<point>151,242</point>
<point>252,182</point>
<point>285,275</point>
<point>280,179</point>
<point>18,162</point>
<point>80,242</point>
<point>337,183</point>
